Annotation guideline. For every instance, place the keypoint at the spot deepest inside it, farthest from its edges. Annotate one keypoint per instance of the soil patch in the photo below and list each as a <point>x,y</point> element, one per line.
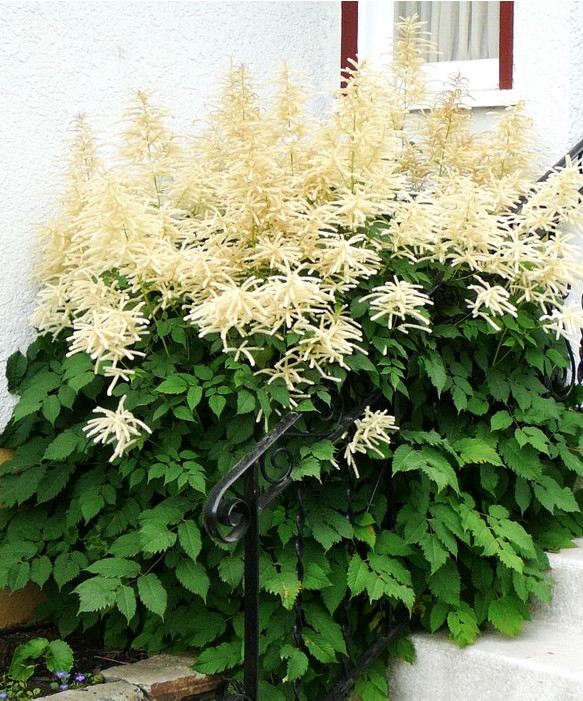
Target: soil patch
<point>89,657</point>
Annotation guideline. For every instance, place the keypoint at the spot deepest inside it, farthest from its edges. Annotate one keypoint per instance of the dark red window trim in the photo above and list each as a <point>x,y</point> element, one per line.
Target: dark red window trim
<point>349,39</point>
<point>349,33</point>
<point>506,45</point>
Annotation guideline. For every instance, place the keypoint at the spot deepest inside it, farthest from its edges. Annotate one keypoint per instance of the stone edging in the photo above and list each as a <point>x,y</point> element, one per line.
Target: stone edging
<point>160,678</point>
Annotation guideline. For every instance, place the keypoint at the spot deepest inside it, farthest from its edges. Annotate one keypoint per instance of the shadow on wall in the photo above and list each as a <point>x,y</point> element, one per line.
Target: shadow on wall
<point>16,608</point>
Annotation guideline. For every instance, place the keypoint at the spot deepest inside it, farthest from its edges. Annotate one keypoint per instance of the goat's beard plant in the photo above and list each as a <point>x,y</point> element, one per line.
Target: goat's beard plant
<point>196,290</point>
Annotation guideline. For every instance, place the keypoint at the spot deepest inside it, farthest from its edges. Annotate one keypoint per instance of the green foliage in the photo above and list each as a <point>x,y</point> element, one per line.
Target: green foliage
<point>120,547</point>
<point>448,521</point>
<point>56,655</point>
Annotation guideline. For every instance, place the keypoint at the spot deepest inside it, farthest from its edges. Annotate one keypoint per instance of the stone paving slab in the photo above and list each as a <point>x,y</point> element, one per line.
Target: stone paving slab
<point>114,691</point>
<point>160,678</point>
<point>164,677</point>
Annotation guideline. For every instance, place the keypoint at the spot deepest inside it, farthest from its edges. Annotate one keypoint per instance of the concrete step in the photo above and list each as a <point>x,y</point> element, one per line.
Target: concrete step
<point>541,664</point>
<point>566,608</point>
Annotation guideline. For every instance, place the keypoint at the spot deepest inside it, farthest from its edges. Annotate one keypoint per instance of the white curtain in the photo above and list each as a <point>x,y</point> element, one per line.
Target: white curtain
<point>463,31</point>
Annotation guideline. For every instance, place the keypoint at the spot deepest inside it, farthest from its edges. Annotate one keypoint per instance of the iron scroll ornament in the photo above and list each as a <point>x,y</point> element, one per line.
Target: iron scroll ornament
<point>234,513</point>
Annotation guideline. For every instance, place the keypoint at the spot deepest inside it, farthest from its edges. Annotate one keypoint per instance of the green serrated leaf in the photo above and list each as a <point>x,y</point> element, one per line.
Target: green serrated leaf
<point>127,545</point>
<point>522,494</point>
<point>282,582</point>
<point>30,402</point>
<point>58,656</point>
<point>114,567</point>
<point>505,617</point>
<point>509,557</point>
<point>231,570</point>
<point>245,402</point>
<point>429,461</point>
<point>445,583</point>
<point>463,625</point>
<point>193,396</point>
<point>65,569</point>
<point>155,537</point>
<point>152,594</point>
<point>219,658</point>
<point>19,576</point>
<point>40,570</point>
<point>482,534</point>
<point>175,384</point>
<point>78,382</point>
<point>552,496</point>
<point>475,450</point>
<point>500,420</point>
<point>323,450</point>
<point>524,461</point>
<point>125,600</point>
<point>91,503</point>
<point>319,647</point>
<point>217,403</point>
<point>193,576</point>
<point>334,594</point>
<point>189,538</point>
<point>240,428</point>
<point>97,593</point>
<point>183,413</point>
<point>498,384</point>
<point>65,444</point>
<point>438,615</point>
<point>297,662</point>
<point>357,574</point>
<point>51,408</point>
<point>436,371</point>
<point>15,370</point>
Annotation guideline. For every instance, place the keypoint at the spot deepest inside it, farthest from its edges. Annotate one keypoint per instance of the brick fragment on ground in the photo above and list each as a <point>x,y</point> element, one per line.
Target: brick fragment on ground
<point>164,677</point>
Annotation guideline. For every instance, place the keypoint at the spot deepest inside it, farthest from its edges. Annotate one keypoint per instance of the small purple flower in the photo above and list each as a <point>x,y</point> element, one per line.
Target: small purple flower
<point>3,695</point>
<point>62,675</point>
<point>80,678</point>
<point>63,686</point>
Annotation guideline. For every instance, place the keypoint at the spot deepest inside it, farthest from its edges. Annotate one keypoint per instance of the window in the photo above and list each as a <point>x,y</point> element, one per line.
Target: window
<point>474,39</point>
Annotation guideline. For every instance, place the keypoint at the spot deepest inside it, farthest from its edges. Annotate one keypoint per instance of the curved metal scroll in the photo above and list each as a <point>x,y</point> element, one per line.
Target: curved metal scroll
<point>234,513</point>
<point>563,382</point>
<point>238,692</point>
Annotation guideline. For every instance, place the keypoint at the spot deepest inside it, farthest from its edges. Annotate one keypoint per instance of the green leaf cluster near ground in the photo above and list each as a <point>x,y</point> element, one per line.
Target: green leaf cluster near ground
<point>198,290</point>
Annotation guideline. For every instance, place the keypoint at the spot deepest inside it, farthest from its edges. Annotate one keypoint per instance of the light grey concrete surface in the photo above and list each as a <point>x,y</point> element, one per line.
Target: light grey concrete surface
<point>544,663</point>
<point>566,609</point>
<point>117,691</point>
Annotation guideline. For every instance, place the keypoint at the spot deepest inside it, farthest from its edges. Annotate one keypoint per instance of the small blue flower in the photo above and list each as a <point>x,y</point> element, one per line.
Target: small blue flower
<point>3,695</point>
<point>79,678</point>
<point>63,686</point>
<point>62,675</point>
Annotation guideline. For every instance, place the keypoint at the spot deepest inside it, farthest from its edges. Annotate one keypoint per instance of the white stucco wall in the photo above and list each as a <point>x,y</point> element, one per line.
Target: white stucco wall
<point>58,59</point>
<point>548,71</point>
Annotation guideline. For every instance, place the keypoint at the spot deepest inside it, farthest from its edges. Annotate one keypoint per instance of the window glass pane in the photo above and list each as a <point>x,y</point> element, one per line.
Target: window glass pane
<point>463,31</point>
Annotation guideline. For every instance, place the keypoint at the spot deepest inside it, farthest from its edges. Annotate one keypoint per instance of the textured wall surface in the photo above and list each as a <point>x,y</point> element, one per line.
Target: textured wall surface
<point>541,71</point>
<point>60,59</point>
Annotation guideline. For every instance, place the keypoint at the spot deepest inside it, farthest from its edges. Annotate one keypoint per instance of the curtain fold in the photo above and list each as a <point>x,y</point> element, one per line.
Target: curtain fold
<point>463,31</point>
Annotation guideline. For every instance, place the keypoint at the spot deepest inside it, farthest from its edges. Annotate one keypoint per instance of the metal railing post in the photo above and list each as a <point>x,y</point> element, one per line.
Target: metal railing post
<point>251,601</point>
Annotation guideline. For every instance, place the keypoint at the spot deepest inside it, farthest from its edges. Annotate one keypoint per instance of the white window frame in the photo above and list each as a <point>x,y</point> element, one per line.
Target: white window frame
<point>375,38</point>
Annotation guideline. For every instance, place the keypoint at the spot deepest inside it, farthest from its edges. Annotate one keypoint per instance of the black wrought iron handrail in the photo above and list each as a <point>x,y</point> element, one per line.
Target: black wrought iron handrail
<point>230,519</point>
<point>575,155</point>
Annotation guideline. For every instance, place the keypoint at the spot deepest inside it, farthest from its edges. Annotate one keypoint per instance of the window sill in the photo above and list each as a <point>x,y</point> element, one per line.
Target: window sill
<point>492,98</point>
